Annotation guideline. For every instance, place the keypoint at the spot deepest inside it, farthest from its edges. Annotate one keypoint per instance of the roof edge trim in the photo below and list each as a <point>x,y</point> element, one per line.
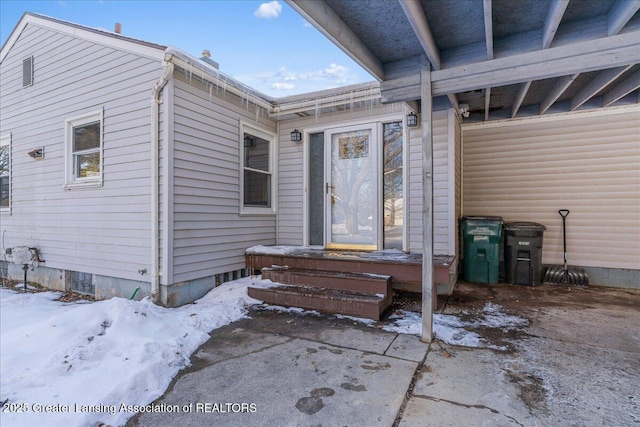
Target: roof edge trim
<point>103,37</point>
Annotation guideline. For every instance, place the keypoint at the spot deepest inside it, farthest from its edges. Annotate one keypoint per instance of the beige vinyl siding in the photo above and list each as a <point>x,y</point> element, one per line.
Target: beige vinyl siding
<point>588,163</point>
<point>442,234</point>
<point>103,230</point>
<point>291,162</point>
<point>209,234</point>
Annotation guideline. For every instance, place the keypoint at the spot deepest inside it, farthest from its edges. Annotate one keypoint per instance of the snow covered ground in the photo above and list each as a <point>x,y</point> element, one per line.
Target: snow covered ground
<point>86,363</point>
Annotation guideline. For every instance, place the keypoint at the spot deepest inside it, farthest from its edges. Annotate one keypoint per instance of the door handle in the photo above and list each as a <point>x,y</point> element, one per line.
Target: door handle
<point>328,186</point>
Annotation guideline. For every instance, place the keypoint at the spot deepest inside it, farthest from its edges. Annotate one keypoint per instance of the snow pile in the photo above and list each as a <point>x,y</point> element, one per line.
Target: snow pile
<point>65,364</point>
<point>271,250</point>
<point>86,360</point>
<point>453,330</point>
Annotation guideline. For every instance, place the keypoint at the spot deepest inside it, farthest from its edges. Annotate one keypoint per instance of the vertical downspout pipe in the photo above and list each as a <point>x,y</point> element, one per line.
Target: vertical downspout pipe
<point>167,72</point>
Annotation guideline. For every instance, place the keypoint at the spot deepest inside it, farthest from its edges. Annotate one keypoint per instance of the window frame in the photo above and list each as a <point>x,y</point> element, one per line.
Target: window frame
<point>71,180</point>
<point>5,141</point>
<point>272,172</point>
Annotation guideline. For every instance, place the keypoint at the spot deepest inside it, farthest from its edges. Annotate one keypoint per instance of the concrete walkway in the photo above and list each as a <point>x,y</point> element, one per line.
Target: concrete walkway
<point>577,362</point>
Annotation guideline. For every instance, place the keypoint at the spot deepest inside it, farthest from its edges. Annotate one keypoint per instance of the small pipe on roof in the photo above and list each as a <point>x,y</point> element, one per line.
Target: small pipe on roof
<point>118,29</point>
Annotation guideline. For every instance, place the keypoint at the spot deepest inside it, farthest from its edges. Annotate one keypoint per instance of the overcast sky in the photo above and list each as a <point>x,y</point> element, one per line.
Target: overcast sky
<point>266,45</point>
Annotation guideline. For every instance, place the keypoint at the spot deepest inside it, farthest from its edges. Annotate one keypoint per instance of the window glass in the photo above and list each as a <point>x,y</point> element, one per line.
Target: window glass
<point>256,152</point>
<point>257,189</point>
<point>86,137</point>
<point>84,150</point>
<point>392,186</point>
<point>87,165</point>
<point>256,170</point>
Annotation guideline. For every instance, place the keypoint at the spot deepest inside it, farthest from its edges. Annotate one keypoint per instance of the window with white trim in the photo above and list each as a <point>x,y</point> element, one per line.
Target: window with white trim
<point>257,178</point>
<point>5,172</point>
<point>84,150</point>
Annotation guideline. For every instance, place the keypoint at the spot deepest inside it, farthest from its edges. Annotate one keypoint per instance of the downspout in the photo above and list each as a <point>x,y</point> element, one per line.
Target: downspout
<point>276,160</point>
<point>167,72</point>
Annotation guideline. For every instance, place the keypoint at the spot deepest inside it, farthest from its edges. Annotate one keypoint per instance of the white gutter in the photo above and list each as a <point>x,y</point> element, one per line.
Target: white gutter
<point>330,98</point>
<point>167,72</point>
<point>193,65</point>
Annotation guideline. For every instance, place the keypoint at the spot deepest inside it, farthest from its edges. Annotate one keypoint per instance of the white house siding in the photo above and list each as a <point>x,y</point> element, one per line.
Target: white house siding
<point>442,233</point>
<point>105,230</point>
<point>587,162</point>
<point>209,234</point>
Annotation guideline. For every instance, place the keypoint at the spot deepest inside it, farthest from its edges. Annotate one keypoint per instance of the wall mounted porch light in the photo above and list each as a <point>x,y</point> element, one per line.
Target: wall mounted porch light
<point>296,136</point>
<point>412,120</point>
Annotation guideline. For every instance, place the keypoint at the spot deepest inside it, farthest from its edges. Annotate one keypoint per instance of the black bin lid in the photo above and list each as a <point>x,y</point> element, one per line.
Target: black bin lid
<point>524,226</point>
<point>482,218</point>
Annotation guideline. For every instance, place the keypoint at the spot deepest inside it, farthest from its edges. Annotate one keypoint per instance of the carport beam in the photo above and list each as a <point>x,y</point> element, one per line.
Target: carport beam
<point>426,103</point>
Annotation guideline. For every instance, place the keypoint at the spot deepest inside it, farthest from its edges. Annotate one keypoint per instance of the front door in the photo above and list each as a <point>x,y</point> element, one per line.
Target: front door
<point>352,188</point>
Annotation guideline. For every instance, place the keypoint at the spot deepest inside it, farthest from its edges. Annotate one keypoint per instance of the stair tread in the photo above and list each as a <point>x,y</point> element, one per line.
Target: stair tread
<point>328,273</point>
<point>323,292</point>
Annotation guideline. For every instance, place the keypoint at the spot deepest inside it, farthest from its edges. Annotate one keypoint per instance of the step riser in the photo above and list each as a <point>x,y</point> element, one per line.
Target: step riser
<point>369,310</point>
<point>441,278</point>
<point>330,281</point>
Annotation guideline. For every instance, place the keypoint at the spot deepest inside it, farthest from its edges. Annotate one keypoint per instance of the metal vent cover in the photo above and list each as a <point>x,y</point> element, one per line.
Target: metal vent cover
<point>27,71</point>
<point>82,282</point>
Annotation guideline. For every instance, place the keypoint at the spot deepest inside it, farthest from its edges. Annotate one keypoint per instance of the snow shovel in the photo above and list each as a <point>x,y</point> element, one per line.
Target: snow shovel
<point>563,274</point>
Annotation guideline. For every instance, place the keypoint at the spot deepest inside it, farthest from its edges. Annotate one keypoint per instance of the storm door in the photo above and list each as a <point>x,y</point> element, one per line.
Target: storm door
<point>352,188</point>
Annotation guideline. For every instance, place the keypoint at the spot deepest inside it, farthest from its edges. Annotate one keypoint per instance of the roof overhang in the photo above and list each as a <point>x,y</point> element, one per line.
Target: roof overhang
<point>102,37</point>
<point>501,57</point>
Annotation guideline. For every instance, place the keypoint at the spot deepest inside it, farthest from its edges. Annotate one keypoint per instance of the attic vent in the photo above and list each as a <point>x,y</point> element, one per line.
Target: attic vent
<point>27,71</point>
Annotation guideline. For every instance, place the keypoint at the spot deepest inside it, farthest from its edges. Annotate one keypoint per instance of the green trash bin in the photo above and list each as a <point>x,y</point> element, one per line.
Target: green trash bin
<point>481,242</point>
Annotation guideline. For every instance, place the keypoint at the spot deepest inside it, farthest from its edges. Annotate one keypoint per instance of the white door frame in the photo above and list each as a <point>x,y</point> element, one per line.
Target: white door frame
<point>331,127</point>
<point>374,149</point>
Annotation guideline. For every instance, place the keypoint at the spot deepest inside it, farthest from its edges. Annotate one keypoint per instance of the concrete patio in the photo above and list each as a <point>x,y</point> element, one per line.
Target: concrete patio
<point>576,361</point>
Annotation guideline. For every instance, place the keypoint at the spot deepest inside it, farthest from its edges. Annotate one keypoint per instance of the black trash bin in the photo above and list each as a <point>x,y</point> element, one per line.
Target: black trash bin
<point>523,253</point>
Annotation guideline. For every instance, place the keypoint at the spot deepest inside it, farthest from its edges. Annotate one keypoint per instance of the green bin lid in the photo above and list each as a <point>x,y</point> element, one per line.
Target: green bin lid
<point>482,218</point>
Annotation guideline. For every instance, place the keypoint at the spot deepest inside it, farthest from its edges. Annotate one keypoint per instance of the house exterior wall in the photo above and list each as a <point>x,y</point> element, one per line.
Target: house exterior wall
<point>102,230</point>
<point>209,233</point>
<point>588,162</point>
<point>442,233</point>
<point>291,214</point>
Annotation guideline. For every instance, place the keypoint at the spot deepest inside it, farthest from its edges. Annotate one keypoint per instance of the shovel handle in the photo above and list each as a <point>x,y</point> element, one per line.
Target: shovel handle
<point>564,213</point>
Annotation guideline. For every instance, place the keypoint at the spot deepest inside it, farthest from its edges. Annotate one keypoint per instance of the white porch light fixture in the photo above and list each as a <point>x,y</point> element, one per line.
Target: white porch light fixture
<point>412,120</point>
<point>296,136</point>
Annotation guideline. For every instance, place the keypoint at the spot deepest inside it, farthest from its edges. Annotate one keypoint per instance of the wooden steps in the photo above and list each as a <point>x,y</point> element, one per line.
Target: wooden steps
<point>358,284</point>
<point>351,294</point>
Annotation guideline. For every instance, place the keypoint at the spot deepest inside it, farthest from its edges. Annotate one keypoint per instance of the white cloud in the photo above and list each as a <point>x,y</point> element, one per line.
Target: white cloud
<point>268,10</point>
<point>283,86</point>
<point>334,75</point>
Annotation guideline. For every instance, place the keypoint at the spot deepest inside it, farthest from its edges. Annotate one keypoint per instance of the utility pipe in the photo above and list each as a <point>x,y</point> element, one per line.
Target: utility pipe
<point>167,72</point>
